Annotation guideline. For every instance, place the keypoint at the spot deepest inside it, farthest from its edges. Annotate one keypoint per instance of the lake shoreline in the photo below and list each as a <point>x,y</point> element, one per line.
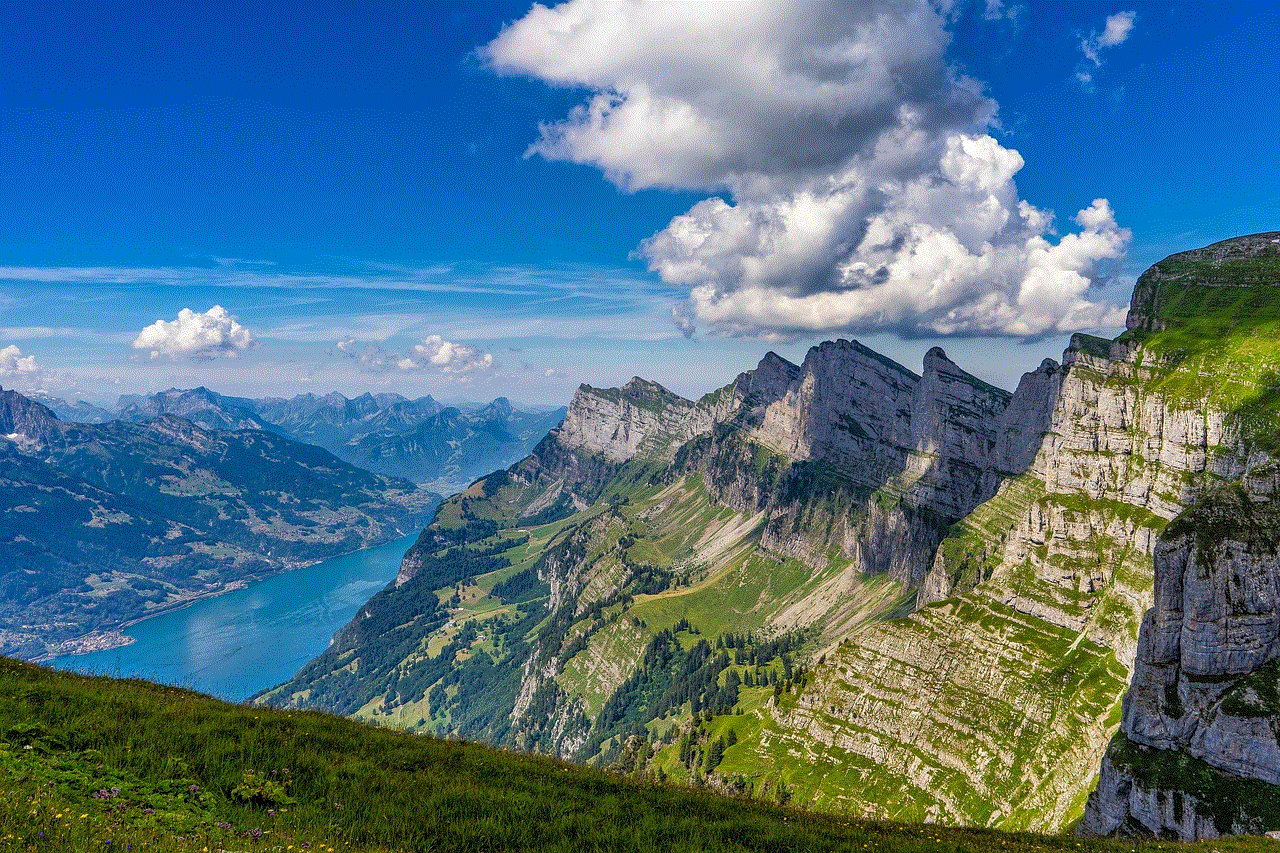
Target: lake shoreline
<point>105,639</point>
<point>246,636</point>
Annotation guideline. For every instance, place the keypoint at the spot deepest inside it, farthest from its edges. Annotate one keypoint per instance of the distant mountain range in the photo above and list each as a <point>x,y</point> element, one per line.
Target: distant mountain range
<point>445,447</point>
<point>106,523</point>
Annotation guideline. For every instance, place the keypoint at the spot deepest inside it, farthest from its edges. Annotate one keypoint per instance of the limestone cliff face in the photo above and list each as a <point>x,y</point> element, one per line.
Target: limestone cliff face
<point>1056,567</point>
<point>817,496</point>
<point>640,418</point>
<point>932,438</point>
<point>1204,690</point>
<point>1198,754</point>
<point>912,453</point>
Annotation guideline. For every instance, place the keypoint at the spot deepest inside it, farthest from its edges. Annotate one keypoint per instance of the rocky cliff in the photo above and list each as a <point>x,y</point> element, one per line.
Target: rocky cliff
<point>1198,754</point>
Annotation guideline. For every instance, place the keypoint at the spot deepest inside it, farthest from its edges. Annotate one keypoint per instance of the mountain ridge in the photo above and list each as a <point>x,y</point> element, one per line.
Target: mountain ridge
<point>957,576</point>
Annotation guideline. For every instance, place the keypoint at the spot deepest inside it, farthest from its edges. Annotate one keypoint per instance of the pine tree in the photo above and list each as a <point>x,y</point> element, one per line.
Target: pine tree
<point>715,754</point>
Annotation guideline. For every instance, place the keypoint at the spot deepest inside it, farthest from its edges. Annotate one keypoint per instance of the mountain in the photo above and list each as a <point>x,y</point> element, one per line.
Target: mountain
<point>202,407</point>
<point>896,595</point>
<point>446,447</point>
<point>1198,752</point>
<point>76,411</point>
<point>105,524</point>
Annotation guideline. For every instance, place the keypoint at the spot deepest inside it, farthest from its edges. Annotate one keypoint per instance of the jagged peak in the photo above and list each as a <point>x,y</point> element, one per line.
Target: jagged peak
<point>637,389</point>
<point>833,349</point>
<point>16,408</point>
<point>774,362</point>
<point>937,362</point>
<point>500,407</point>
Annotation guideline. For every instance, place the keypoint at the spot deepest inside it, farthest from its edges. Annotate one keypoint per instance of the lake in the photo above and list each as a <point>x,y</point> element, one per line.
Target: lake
<point>236,644</point>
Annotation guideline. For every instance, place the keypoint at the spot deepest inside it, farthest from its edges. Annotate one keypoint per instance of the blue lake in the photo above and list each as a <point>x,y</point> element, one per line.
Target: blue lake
<point>236,644</point>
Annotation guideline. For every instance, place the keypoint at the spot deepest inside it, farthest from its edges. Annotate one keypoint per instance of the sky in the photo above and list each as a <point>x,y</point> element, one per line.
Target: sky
<point>479,199</point>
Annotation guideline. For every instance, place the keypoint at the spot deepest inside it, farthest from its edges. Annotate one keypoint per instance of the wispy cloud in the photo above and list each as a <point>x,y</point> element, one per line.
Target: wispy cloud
<point>24,333</point>
<point>1114,32</point>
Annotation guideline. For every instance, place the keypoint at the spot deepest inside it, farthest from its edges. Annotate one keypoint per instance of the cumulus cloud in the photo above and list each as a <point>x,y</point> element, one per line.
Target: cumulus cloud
<point>454,360</point>
<point>1117,29</point>
<point>460,362</point>
<point>370,357</point>
<point>15,365</point>
<point>859,186</point>
<point>195,336</point>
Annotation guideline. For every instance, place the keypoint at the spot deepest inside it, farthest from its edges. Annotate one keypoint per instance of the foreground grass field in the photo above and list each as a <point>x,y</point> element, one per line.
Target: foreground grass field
<point>101,764</point>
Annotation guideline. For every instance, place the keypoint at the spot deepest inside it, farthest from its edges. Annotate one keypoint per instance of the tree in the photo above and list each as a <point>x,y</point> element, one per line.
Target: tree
<point>715,754</point>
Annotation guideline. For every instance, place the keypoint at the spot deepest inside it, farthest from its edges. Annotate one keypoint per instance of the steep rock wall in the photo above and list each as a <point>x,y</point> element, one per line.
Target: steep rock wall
<point>1204,689</point>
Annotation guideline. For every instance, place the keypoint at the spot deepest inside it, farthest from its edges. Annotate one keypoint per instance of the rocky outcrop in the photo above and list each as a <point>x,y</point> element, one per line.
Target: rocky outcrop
<point>1198,753</point>
<point>1127,434</point>
<point>1204,690</point>
<point>639,419</point>
<point>1239,262</point>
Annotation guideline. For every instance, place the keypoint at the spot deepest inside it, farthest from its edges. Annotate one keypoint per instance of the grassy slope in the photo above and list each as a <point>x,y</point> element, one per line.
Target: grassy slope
<point>180,771</point>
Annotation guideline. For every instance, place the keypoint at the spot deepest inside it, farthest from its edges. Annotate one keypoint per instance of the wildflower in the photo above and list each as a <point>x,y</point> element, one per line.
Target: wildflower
<point>148,810</point>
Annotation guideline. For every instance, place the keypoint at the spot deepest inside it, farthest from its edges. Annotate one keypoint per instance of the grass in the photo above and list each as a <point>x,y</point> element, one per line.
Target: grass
<point>90,763</point>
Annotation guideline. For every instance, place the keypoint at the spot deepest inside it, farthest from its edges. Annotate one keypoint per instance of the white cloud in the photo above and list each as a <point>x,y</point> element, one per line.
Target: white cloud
<point>862,190</point>
<point>458,361</point>
<point>370,357</point>
<point>1117,29</point>
<point>195,336</point>
<point>15,365</point>
<point>996,10</point>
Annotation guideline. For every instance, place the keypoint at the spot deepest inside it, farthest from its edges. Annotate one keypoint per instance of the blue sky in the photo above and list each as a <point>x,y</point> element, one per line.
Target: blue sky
<point>475,199</point>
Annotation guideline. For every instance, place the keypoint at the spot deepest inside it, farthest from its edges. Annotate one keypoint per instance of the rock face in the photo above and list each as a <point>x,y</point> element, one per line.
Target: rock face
<point>1198,753</point>
<point>1204,691</point>
<point>639,419</point>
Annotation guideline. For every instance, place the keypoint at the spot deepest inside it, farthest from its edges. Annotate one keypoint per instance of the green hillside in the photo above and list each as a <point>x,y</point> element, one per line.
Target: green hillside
<point>98,764</point>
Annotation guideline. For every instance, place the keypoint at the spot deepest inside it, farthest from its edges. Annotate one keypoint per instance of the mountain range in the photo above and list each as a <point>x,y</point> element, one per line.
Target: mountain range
<point>445,447</point>
<point>108,523</point>
<point>904,596</point>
